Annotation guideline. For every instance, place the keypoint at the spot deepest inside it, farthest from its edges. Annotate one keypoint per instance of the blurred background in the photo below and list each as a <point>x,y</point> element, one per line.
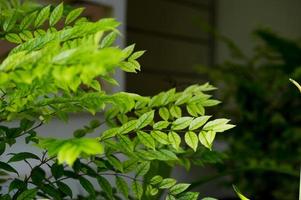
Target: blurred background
<point>248,49</point>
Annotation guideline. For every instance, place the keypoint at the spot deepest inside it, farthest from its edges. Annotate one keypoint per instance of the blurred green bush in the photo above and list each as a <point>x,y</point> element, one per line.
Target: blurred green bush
<point>264,149</point>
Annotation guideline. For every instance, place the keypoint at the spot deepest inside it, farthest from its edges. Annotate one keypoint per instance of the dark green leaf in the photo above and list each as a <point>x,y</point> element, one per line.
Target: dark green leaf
<point>7,167</point>
<point>64,188</point>
<point>57,170</point>
<point>37,175</point>
<point>122,186</point>
<point>42,16</point>
<point>17,184</point>
<point>106,186</point>
<point>87,185</point>
<point>56,14</point>
<point>115,163</point>
<point>22,156</point>
<point>27,194</point>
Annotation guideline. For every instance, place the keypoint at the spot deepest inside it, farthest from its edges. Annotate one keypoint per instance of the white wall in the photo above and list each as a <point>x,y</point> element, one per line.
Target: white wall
<point>238,18</point>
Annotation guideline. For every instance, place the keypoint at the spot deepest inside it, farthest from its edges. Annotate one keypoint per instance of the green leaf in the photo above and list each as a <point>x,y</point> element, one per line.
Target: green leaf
<point>160,137</point>
<point>210,102</point>
<point>242,197</point>
<point>192,140</point>
<point>128,50</point>
<point>165,155</point>
<point>50,191</point>
<point>174,139</point>
<point>167,183</point>
<point>184,98</point>
<point>156,180</point>
<point>137,189</point>
<point>161,125</point>
<point>181,123</point>
<point>70,149</point>
<point>13,38</point>
<point>179,188</point>
<point>10,22</point>
<point>128,66</point>
<point>108,40</point>
<point>198,122</point>
<point>57,170</point>
<point>218,125</point>
<point>64,188</point>
<point>87,185</point>
<point>190,196</point>
<point>56,14</point>
<point>128,127</point>
<point>28,194</point>
<point>115,162</point>
<point>145,119</point>
<point>136,55</point>
<point>26,35</point>
<point>7,167</point>
<point>129,165</point>
<point>176,111</point>
<point>170,197</point>
<point>109,133</point>
<point>28,20</point>
<point>192,109</point>
<point>17,184</point>
<point>122,186</point>
<point>38,175</point>
<point>146,139</point>
<point>73,15</point>
<point>42,16</point>
<point>142,168</point>
<point>126,143</point>
<point>164,113</point>
<point>207,138</point>
<point>22,156</point>
<point>106,186</point>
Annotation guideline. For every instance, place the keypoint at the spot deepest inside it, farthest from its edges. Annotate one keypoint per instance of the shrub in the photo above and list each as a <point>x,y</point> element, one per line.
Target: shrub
<point>264,149</point>
<point>53,72</point>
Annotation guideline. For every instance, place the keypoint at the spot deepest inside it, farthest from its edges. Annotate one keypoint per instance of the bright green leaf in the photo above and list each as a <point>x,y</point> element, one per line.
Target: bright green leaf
<point>192,140</point>
<point>146,139</point>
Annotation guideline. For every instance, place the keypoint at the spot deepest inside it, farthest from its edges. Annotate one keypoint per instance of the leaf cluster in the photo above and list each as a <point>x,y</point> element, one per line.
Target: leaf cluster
<point>56,71</point>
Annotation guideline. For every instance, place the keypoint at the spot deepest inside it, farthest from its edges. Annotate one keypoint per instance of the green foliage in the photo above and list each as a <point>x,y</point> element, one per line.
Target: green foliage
<point>54,72</point>
<point>258,95</point>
